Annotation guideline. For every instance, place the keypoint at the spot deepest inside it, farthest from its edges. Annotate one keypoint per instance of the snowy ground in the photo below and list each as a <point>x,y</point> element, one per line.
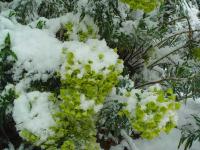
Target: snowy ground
<point>164,142</point>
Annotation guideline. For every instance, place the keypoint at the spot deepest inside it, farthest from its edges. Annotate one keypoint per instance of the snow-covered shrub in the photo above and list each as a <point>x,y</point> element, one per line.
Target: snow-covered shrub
<point>62,72</point>
<point>150,111</point>
<point>67,121</point>
<point>74,128</point>
<point>32,113</point>
<point>93,67</point>
<point>69,27</point>
<point>155,112</point>
<point>26,63</point>
<point>87,76</point>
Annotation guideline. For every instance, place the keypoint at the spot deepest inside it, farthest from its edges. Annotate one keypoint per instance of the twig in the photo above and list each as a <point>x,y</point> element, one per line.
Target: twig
<point>159,81</point>
<point>176,34</point>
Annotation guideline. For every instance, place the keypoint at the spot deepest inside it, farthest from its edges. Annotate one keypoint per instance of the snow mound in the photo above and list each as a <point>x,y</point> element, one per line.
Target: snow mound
<point>32,112</point>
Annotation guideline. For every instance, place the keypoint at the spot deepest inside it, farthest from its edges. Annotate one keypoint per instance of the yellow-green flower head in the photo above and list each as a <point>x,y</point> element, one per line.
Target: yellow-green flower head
<point>146,5</point>
<point>88,74</point>
<point>71,27</point>
<point>150,111</point>
<point>92,68</point>
<point>93,55</point>
<point>80,29</point>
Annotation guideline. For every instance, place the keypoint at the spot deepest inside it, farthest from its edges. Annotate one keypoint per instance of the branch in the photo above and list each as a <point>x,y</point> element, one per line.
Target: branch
<point>159,81</point>
<point>176,34</point>
<point>173,21</point>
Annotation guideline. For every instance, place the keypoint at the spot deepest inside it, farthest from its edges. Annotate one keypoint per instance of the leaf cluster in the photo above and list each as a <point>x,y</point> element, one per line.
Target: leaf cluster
<point>7,60</point>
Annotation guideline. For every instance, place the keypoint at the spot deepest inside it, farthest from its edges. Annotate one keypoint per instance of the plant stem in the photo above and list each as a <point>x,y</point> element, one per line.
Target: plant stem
<point>128,140</point>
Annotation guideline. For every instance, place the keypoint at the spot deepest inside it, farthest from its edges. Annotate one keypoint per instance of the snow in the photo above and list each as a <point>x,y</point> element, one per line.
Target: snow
<point>165,142</point>
<point>33,112</point>
<point>42,56</point>
<point>86,104</point>
<point>123,9</point>
<point>39,53</point>
<point>127,27</point>
<point>189,108</point>
<point>192,12</point>
<point>22,85</point>
<point>5,24</point>
<point>52,26</point>
<point>169,141</point>
<point>90,51</point>
<point>81,4</point>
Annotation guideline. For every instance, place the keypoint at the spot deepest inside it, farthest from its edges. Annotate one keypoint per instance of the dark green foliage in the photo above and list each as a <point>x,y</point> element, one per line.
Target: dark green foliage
<point>136,47</point>
<point>198,2</point>
<point>29,10</point>
<point>110,122</point>
<point>103,14</point>
<point>109,19</point>
<point>6,0</point>
<point>189,136</point>
<point>24,11</point>
<point>7,130</point>
<point>52,84</point>
<point>185,80</point>
<point>40,24</point>
<point>7,60</point>
<point>5,101</point>
<point>55,8</point>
